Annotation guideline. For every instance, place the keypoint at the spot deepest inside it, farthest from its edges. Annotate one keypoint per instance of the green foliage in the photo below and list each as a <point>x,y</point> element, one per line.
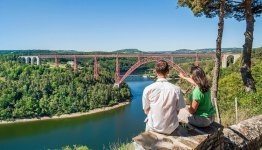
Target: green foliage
<point>28,91</point>
<point>208,8</point>
<point>75,147</point>
<point>231,87</point>
<point>240,12</point>
<point>257,52</point>
<point>121,146</point>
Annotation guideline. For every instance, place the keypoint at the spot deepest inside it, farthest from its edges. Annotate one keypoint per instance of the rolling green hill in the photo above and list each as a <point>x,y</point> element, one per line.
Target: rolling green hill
<point>129,51</point>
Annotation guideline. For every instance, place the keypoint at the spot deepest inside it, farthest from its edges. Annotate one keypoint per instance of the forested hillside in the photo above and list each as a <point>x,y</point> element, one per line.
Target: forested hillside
<point>28,91</point>
<point>231,87</point>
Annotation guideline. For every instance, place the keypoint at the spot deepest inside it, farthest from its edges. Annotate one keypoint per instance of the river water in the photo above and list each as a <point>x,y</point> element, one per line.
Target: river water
<point>96,131</point>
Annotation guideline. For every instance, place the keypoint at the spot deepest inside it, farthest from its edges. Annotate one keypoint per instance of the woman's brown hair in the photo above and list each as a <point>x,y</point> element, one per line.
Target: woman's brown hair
<point>199,76</point>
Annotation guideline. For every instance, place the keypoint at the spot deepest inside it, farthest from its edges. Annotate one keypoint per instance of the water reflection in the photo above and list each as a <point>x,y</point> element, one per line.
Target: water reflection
<point>38,127</point>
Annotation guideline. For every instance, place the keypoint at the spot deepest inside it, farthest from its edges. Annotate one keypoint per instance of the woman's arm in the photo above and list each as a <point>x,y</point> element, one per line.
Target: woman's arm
<point>190,80</point>
<point>193,107</point>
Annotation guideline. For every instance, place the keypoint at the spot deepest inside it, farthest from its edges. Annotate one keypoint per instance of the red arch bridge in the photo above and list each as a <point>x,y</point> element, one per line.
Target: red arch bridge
<point>141,59</point>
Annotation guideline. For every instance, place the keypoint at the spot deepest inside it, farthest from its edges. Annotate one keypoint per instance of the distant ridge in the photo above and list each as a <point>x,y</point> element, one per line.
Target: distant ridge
<point>233,50</point>
<point>122,51</point>
<point>38,52</point>
<point>205,50</point>
<point>128,51</point>
<point>179,51</point>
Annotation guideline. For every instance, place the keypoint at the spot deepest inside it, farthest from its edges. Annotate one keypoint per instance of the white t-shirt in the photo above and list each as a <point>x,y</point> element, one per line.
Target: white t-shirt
<point>164,100</point>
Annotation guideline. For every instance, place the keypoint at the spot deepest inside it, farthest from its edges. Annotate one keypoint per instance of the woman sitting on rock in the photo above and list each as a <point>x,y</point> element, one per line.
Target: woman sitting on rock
<point>201,111</point>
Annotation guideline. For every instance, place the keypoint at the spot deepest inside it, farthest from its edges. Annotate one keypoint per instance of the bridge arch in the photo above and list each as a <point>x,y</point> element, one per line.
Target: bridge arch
<point>30,59</point>
<point>229,59</point>
<point>148,60</point>
<point>27,59</point>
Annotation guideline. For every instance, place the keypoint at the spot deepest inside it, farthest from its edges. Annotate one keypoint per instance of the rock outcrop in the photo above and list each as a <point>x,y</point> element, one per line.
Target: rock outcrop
<point>188,137</point>
<point>245,135</point>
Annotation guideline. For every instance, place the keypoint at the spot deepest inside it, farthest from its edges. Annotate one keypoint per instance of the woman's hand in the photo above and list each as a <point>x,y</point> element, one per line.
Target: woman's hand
<point>190,80</point>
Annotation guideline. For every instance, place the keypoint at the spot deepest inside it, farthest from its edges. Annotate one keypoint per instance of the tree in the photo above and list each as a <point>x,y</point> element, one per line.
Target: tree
<point>218,51</point>
<point>211,8</point>
<point>247,10</point>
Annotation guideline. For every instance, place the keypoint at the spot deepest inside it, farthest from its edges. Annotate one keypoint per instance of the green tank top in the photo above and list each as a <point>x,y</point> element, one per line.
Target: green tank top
<point>205,107</point>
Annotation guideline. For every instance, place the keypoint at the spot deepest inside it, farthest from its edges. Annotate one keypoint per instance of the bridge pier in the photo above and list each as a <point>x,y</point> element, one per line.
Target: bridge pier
<point>197,61</point>
<point>56,61</point>
<point>172,59</point>
<point>95,68</point>
<point>37,61</point>
<point>117,74</point>
<point>32,60</point>
<point>138,58</point>
<point>75,63</point>
<point>26,60</point>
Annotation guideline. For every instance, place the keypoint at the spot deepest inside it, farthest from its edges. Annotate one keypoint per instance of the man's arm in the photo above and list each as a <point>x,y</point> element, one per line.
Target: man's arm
<point>145,102</point>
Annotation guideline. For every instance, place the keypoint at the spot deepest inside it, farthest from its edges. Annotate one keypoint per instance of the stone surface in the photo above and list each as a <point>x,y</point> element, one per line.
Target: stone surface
<point>184,138</point>
<point>244,135</point>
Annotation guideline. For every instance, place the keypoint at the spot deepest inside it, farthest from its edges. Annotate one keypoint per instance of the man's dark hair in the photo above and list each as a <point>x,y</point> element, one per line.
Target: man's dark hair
<point>162,67</point>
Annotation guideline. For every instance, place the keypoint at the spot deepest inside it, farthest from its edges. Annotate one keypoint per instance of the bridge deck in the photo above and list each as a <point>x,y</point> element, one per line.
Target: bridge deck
<point>124,55</point>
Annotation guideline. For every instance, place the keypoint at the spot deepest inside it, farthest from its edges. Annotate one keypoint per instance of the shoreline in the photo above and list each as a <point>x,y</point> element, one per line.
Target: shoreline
<point>72,115</point>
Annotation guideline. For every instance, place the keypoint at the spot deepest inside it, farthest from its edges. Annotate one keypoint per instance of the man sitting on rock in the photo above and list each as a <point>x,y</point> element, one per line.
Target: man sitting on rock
<point>162,101</point>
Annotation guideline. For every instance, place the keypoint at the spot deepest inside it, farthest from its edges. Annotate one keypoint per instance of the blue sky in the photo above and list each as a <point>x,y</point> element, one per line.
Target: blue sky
<point>90,25</point>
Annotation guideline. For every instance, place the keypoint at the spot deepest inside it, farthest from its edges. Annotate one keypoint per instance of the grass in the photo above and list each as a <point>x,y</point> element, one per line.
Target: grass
<point>75,147</point>
<point>121,146</point>
<point>229,117</point>
<point>113,146</point>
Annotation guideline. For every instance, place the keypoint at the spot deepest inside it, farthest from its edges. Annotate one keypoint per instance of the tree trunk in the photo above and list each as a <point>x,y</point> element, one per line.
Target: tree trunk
<point>218,51</point>
<point>245,70</point>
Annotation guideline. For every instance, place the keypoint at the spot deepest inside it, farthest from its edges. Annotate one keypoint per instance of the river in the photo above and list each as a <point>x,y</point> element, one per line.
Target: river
<point>96,131</point>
